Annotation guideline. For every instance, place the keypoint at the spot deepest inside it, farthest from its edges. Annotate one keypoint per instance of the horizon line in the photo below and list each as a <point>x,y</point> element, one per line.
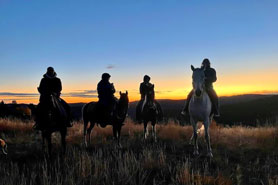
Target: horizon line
<point>159,99</point>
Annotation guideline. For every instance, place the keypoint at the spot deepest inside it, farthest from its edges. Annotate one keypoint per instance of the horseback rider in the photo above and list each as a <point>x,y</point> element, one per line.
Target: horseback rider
<point>106,92</point>
<point>210,75</point>
<point>145,87</point>
<point>50,85</point>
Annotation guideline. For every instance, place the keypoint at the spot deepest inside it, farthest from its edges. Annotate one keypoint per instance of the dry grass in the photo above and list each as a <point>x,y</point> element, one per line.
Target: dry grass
<point>15,125</point>
<point>242,155</point>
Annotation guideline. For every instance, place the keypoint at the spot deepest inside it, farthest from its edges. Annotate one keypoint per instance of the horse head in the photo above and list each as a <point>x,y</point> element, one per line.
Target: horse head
<point>124,97</point>
<point>149,97</point>
<point>122,105</point>
<point>198,81</point>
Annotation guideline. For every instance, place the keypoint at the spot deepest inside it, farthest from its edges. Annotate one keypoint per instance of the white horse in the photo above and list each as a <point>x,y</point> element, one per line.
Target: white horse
<point>200,107</point>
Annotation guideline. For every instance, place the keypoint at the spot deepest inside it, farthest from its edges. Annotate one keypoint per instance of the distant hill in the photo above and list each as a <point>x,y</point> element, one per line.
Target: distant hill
<point>262,110</point>
<point>250,109</point>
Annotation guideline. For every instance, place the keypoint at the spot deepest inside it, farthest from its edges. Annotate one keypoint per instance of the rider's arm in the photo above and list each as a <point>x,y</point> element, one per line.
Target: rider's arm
<point>59,87</point>
<point>141,89</point>
<point>41,87</point>
<point>211,77</point>
<point>113,88</point>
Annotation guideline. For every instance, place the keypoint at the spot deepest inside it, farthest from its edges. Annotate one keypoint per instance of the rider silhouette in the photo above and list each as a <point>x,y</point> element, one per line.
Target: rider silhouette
<point>50,85</point>
<point>145,87</point>
<point>210,74</point>
<point>106,92</point>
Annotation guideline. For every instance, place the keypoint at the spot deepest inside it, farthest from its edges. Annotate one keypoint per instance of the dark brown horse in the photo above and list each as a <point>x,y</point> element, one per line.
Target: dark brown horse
<point>53,119</point>
<point>94,114</point>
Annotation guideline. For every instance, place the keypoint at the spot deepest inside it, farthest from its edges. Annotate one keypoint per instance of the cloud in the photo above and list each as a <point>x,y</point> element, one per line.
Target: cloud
<point>163,92</point>
<point>19,94</point>
<point>110,66</point>
<point>76,94</point>
<point>81,94</point>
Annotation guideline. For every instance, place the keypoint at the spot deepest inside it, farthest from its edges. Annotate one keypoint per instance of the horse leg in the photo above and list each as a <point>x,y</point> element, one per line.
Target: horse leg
<point>118,130</point>
<point>145,129</point>
<point>86,122</point>
<point>154,131</point>
<point>89,131</point>
<point>191,139</point>
<point>115,132</point>
<point>206,125</point>
<point>195,137</point>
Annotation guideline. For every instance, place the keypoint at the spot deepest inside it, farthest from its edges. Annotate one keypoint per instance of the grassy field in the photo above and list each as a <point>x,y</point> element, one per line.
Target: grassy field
<point>242,155</point>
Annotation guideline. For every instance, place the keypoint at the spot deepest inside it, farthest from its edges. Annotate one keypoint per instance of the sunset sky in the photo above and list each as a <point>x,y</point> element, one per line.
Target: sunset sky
<point>131,38</point>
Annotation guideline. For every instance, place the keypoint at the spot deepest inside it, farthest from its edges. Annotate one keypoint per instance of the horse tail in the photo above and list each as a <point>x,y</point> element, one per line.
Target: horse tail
<point>85,117</point>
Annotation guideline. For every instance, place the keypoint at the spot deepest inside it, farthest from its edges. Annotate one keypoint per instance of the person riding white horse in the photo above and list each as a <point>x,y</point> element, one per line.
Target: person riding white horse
<point>210,78</point>
<point>200,107</point>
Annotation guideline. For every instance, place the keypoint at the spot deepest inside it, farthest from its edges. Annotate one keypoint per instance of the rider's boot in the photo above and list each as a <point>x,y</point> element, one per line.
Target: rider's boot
<point>185,110</point>
<point>215,104</point>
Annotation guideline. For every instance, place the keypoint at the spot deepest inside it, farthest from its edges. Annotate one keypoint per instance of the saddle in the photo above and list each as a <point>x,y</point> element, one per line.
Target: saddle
<point>51,112</point>
<point>154,106</point>
<point>105,113</point>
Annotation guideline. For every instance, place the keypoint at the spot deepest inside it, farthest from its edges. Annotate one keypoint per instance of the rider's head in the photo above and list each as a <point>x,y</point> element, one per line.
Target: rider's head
<point>105,76</point>
<point>147,78</point>
<point>205,63</point>
<point>50,71</point>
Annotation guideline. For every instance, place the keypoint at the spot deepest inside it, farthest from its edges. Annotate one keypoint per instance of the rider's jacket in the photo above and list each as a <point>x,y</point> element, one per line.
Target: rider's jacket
<point>210,74</point>
<point>50,85</point>
<point>105,91</point>
<point>145,87</point>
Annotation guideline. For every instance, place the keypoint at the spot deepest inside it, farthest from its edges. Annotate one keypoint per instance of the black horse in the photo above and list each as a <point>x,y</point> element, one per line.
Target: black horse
<point>151,112</point>
<point>52,118</point>
<point>94,114</point>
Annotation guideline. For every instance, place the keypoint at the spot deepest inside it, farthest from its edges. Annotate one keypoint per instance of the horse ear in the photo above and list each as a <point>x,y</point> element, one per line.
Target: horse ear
<point>120,92</point>
<point>193,68</point>
<point>126,92</point>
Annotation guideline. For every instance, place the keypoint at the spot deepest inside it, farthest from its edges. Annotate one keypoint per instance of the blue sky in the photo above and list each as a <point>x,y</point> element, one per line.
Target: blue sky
<point>83,39</point>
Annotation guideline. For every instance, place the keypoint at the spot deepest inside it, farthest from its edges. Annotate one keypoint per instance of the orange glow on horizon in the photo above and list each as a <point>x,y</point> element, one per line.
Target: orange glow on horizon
<point>135,97</point>
<point>255,82</point>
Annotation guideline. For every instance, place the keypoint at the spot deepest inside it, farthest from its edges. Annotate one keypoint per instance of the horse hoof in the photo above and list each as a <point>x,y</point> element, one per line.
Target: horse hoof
<point>210,155</point>
<point>195,153</point>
